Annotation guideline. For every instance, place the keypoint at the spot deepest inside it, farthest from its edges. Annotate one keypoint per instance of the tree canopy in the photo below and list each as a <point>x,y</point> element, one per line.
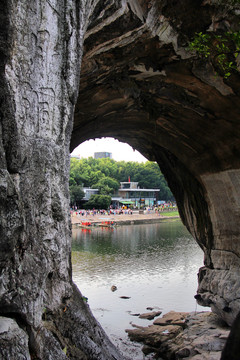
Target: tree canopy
<point>106,185</point>
<point>98,202</point>
<point>106,175</point>
<point>76,194</point>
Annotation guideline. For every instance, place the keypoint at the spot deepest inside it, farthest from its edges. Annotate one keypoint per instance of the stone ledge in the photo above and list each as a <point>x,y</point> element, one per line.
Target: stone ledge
<point>183,335</point>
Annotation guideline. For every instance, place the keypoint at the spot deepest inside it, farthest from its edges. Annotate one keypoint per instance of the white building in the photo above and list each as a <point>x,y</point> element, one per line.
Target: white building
<point>130,194</point>
<point>88,192</point>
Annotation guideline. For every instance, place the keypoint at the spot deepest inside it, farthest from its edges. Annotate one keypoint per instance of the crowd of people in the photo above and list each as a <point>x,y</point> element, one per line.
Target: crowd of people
<point>167,206</point>
<point>80,212</point>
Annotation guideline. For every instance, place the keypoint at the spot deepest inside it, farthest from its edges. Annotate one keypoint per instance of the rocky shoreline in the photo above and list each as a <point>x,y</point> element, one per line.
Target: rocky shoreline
<point>182,335</point>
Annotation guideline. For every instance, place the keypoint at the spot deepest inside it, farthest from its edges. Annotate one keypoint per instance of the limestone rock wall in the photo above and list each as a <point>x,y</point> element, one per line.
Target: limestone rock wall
<point>36,128</point>
<point>40,49</point>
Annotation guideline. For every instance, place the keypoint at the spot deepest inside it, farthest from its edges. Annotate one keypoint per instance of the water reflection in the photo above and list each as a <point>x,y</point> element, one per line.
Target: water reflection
<point>155,265</point>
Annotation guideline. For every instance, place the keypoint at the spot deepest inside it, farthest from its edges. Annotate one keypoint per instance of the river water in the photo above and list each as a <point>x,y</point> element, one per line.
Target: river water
<point>154,265</point>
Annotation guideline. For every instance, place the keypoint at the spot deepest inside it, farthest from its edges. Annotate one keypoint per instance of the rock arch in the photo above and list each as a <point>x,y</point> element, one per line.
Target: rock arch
<point>140,84</point>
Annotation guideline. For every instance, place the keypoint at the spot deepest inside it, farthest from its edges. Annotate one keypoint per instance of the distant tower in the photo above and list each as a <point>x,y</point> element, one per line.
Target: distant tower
<point>100,155</point>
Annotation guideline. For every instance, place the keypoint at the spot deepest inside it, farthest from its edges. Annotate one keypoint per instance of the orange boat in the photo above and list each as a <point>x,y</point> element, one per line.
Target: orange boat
<point>107,223</point>
<point>85,224</point>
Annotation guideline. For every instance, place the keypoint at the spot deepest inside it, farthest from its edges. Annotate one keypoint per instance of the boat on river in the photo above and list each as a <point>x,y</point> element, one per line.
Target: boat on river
<point>88,224</point>
<point>107,224</point>
<point>85,224</point>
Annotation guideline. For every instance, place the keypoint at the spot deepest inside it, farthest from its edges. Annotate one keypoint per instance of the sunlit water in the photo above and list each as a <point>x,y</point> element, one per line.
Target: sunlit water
<point>155,265</point>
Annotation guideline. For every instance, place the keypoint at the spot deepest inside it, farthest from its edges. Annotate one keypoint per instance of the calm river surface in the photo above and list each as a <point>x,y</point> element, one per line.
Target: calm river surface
<point>155,265</point>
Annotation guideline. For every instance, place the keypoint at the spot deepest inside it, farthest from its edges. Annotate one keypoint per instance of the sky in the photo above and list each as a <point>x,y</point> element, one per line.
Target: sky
<point>120,151</point>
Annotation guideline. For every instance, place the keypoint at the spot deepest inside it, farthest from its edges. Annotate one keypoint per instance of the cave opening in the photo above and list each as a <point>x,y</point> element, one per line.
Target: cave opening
<point>104,258</point>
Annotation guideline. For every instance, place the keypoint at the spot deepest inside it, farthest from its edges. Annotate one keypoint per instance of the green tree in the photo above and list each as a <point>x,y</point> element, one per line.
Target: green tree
<point>72,181</point>
<point>221,49</point>
<point>105,174</point>
<point>76,194</point>
<point>79,171</point>
<point>106,186</point>
<point>98,202</point>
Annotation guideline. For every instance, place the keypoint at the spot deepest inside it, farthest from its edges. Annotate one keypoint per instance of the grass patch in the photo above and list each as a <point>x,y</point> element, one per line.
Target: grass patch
<point>169,213</point>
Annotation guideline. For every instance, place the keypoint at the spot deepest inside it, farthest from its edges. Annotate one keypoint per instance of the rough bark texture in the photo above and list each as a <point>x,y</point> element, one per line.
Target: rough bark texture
<point>138,84</point>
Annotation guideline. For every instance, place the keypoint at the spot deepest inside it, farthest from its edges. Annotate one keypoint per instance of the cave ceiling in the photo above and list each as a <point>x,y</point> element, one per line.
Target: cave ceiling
<point>140,84</point>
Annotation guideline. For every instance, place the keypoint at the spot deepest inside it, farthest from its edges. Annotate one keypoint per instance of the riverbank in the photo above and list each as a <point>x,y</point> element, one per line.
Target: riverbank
<point>124,219</point>
<point>177,335</point>
<point>144,273</point>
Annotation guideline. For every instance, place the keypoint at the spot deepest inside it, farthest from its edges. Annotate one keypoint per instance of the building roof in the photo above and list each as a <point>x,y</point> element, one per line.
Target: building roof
<point>139,190</point>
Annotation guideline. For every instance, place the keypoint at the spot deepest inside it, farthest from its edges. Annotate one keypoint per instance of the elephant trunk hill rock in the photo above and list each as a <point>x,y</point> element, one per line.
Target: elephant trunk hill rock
<point>139,83</point>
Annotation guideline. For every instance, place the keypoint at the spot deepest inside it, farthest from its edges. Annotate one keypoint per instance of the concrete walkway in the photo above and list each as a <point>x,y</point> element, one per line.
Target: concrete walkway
<point>122,219</point>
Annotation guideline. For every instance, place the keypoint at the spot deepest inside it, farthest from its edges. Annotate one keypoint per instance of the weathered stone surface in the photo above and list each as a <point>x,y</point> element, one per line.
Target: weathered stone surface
<point>203,337</point>
<point>41,45</point>
<point>172,318</point>
<point>77,331</point>
<point>150,315</point>
<point>231,348</point>
<point>13,340</point>
<point>139,84</point>
<point>154,335</point>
